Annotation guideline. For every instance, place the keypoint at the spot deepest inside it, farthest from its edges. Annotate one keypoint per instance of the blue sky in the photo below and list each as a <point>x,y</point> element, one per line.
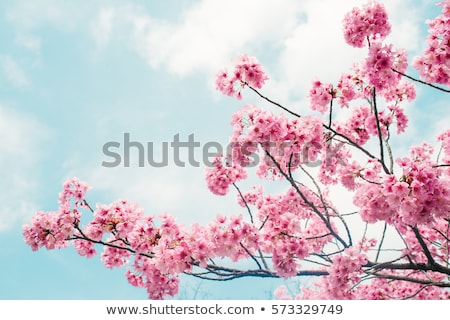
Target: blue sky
<point>76,75</point>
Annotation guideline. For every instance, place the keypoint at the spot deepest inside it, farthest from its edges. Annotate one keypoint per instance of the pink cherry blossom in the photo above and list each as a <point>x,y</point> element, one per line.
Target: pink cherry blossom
<point>221,176</point>
<point>369,22</point>
<point>247,71</point>
<point>320,96</point>
<point>434,64</point>
<point>379,64</point>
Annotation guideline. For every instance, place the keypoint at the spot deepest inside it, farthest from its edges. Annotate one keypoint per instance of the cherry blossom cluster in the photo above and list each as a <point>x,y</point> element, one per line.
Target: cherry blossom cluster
<point>247,71</point>
<point>379,64</point>
<point>52,229</point>
<point>386,289</point>
<point>375,289</point>
<point>367,23</point>
<point>343,274</point>
<point>320,96</point>
<point>285,143</point>
<point>434,64</point>
<point>421,195</point>
<point>292,230</point>
<point>375,72</point>
<point>221,175</point>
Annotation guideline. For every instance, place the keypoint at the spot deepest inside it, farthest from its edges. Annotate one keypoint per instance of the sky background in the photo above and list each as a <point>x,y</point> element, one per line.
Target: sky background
<point>75,75</point>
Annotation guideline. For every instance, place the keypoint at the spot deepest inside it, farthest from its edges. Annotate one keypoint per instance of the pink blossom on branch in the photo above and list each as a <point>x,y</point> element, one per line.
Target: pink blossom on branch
<point>434,64</point>
<point>367,23</point>
<point>221,175</point>
<point>379,64</point>
<point>419,196</point>
<point>246,71</point>
<point>320,96</point>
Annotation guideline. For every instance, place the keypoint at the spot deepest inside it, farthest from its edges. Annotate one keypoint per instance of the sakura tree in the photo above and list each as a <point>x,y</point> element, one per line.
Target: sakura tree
<point>299,231</point>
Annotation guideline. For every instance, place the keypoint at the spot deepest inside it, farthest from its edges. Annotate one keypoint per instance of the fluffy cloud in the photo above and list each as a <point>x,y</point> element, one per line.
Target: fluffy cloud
<point>297,42</point>
<point>206,35</point>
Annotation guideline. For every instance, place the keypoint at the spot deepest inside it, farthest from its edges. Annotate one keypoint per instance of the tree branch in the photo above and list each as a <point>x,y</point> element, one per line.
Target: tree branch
<point>421,81</point>
<point>272,102</point>
<point>380,135</point>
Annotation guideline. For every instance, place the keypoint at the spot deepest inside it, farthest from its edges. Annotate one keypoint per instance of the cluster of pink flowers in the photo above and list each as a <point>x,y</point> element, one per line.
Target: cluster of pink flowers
<point>344,272</point>
<point>290,142</point>
<point>53,229</point>
<point>221,175</point>
<point>375,289</point>
<point>386,289</point>
<point>50,229</point>
<point>247,71</point>
<point>375,72</point>
<point>320,96</point>
<point>292,231</point>
<point>362,124</point>
<point>350,87</point>
<point>370,22</point>
<point>379,64</point>
<point>73,189</point>
<point>420,196</point>
<point>145,274</point>
<point>434,64</point>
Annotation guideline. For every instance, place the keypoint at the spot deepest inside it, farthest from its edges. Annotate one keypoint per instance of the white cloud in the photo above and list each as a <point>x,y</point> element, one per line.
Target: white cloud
<point>296,42</point>
<point>297,35</point>
<point>317,50</point>
<point>209,33</point>
<point>21,142</point>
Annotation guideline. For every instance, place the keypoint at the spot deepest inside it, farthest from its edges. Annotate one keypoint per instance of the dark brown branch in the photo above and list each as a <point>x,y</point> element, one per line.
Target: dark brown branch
<point>328,127</point>
<point>309,203</point>
<point>272,102</point>
<point>421,81</point>
<point>381,242</point>
<point>410,279</point>
<point>88,206</point>
<point>109,244</point>
<point>442,165</point>
<point>380,135</point>
<point>245,202</point>
<point>218,273</point>
<point>423,245</point>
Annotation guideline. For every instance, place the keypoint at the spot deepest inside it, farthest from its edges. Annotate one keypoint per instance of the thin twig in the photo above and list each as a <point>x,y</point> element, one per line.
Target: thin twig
<point>245,202</point>
<point>421,81</point>
<point>272,102</point>
<point>381,242</point>
<point>250,255</point>
<point>380,135</point>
